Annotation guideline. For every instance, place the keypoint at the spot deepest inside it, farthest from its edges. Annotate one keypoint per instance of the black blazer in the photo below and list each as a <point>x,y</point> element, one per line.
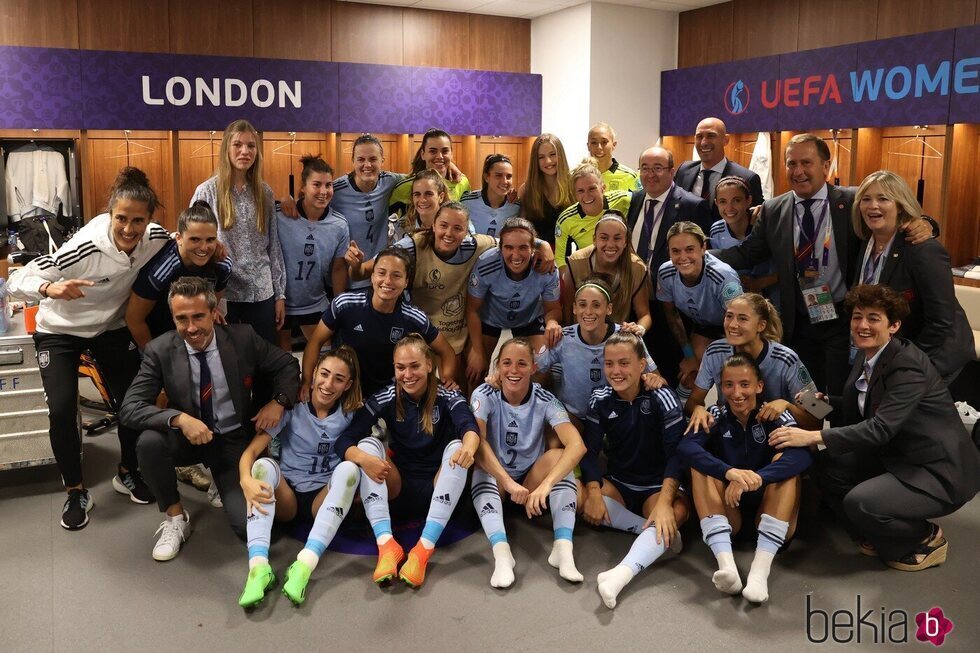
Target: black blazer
<point>681,206</point>
<point>166,365</point>
<point>937,323</point>
<point>772,239</point>
<point>688,173</point>
<point>910,424</point>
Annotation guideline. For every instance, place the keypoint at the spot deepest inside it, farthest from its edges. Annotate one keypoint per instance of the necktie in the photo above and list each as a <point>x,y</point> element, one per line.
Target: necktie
<point>649,215</point>
<point>869,270</point>
<point>805,243</point>
<point>705,186</point>
<point>861,385</point>
<point>207,391</point>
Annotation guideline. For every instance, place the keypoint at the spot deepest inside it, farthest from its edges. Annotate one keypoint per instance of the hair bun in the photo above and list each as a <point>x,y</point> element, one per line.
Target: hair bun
<point>130,175</point>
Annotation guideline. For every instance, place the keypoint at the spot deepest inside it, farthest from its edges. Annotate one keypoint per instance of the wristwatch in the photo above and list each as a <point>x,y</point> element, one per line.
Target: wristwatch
<point>282,399</point>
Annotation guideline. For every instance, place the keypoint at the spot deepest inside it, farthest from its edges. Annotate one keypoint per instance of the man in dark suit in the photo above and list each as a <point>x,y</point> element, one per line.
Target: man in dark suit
<point>653,209</point>
<point>809,236</point>
<point>710,140</point>
<point>903,456</point>
<point>208,372</point>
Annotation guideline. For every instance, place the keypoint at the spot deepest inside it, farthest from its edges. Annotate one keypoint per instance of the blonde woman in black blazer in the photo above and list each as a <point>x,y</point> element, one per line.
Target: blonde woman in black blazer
<point>904,456</point>
<point>919,273</point>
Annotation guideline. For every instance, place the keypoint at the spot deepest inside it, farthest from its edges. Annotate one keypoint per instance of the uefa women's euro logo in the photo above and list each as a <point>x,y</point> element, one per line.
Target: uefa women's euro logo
<point>736,98</point>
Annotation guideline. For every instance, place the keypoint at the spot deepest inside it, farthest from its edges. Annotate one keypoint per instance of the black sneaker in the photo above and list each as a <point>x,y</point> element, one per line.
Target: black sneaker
<point>74,516</point>
<point>131,483</point>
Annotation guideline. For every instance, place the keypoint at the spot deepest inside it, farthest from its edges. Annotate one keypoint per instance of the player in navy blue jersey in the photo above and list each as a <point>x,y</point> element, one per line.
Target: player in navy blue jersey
<point>512,460</point>
<point>738,477</point>
<point>372,321</point>
<point>576,362</point>
<point>433,438</point>
<point>490,206</point>
<point>695,284</point>
<point>309,483</point>
<point>193,254</point>
<point>733,199</point>
<point>641,490</point>
<point>753,327</point>
<point>508,292</point>
<point>313,250</point>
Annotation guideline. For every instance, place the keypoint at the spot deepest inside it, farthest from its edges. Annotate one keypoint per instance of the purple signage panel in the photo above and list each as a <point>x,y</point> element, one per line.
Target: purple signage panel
<point>903,81</point>
<point>375,98</point>
<point>686,96</point>
<point>510,104</point>
<point>116,89</point>
<point>964,104</point>
<point>46,88</point>
<point>738,87</point>
<point>810,88</point>
<point>911,80</point>
<point>40,88</point>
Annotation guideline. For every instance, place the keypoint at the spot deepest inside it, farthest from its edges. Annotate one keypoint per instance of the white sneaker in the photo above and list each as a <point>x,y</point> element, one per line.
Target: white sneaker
<point>173,533</point>
<point>213,497</point>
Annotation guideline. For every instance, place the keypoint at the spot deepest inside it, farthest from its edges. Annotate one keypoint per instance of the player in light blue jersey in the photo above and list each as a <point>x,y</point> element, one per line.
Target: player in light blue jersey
<point>512,459</point>
<point>753,327</point>
<point>313,250</point>
<point>309,483</point>
<point>695,284</point>
<point>576,362</point>
<point>490,206</point>
<point>507,292</point>
<point>362,198</point>
<point>733,199</point>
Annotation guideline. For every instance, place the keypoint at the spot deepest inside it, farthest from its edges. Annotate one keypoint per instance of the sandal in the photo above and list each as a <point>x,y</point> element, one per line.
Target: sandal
<point>928,554</point>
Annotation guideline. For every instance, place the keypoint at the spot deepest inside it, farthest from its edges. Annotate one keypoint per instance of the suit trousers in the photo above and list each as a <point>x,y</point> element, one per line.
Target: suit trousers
<point>160,452</point>
<point>876,506</point>
<point>662,345</point>
<point>824,348</point>
<point>58,356</point>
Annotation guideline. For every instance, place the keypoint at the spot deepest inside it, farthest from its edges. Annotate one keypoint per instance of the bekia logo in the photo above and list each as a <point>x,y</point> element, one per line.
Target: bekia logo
<point>881,626</point>
<point>736,97</point>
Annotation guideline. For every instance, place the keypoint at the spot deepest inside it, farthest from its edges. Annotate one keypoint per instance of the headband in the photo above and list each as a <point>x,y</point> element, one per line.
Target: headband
<point>611,216</point>
<point>589,284</point>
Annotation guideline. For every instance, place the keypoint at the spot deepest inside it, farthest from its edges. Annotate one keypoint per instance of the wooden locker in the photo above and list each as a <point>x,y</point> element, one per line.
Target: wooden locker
<point>107,152</point>
<point>197,156</point>
<point>281,152</point>
<point>393,151</point>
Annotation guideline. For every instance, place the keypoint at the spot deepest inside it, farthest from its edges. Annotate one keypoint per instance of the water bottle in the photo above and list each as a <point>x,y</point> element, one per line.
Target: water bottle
<point>12,237</point>
<point>4,317</point>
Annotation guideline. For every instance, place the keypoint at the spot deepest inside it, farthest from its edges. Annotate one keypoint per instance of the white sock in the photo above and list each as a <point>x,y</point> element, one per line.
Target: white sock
<point>757,584</point>
<point>449,487</point>
<point>374,495</point>
<point>726,579</point>
<point>621,518</point>
<point>335,506</point>
<point>503,566</point>
<point>561,558</point>
<point>612,582</point>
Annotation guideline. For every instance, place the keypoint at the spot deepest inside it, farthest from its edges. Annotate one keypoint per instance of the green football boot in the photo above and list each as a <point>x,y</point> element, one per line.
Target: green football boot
<point>260,580</point>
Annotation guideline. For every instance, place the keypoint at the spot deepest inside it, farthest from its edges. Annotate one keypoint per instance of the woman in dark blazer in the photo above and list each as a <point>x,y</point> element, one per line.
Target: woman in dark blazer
<point>919,273</point>
<point>904,457</point>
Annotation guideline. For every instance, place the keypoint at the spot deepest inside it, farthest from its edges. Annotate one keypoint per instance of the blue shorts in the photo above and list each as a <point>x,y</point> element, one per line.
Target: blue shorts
<point>634,497</point>
<point>304,504</point>
<point>535,328</point>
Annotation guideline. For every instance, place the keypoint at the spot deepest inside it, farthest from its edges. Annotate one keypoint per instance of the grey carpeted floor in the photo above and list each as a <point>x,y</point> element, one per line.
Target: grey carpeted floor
<point>98,589</point>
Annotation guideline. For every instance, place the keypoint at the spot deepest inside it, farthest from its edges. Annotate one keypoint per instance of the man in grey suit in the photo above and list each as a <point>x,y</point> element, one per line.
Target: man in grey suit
<point>208,372</point>
<point>902,456</point>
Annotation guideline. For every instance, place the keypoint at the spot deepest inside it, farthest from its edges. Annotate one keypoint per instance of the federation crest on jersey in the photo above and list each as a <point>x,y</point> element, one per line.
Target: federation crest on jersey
<point>435,415</point>
<point>510,438</point>
<point>645,406</point>
<point>308,249</point>
<point>323,448</point>
<point>475,405</point>
<point>396,334</point>
<point>758,433</point>
<point>803,375</point>
<point>43,358</point>
<point>731,290</point>
<point>595,374</point>
<point>474,280</point>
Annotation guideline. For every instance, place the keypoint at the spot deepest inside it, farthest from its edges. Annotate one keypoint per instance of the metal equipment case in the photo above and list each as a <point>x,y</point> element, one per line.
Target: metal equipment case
<point>24,440</point>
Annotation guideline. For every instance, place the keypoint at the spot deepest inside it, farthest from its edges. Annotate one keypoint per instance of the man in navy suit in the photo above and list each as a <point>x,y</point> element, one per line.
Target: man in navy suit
<point>710,140</point>
<point>653,209</point>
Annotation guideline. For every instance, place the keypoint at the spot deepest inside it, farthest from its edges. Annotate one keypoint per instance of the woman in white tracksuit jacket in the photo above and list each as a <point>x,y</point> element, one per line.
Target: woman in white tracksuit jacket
<point>83,289</point>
